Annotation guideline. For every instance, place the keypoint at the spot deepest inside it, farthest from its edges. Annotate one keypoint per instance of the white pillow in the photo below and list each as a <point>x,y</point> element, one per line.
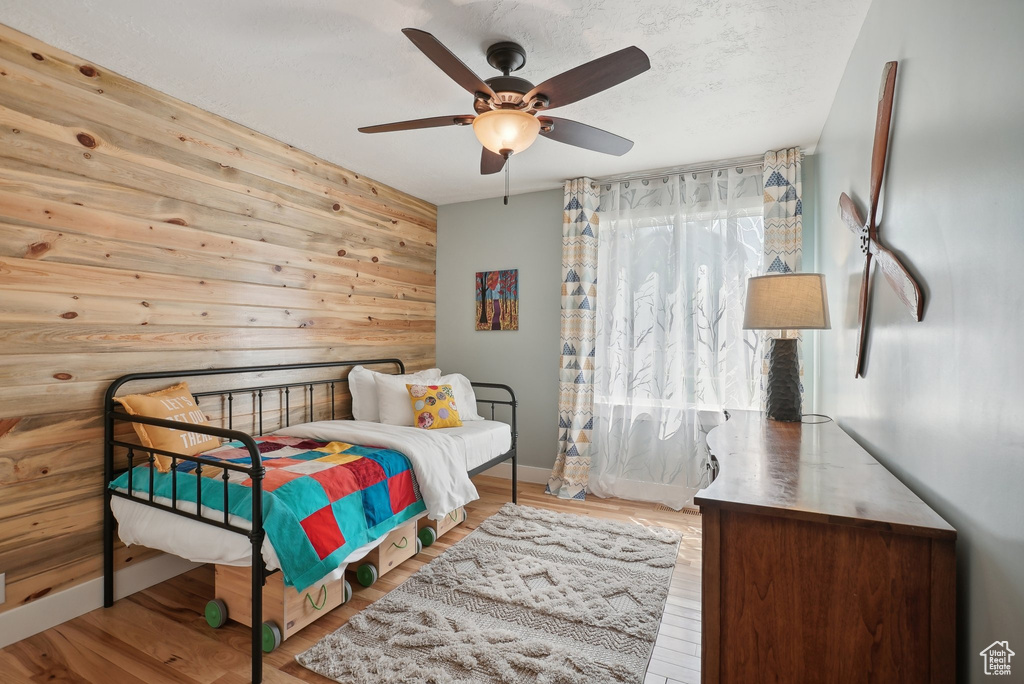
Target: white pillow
<point>465,397</point>
<point>393,402</point>
<point>395,407</point>
<point>363,388</point>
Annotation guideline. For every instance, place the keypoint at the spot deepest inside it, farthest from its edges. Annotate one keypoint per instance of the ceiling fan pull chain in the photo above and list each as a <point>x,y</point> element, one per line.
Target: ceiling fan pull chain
<point>507,164</point>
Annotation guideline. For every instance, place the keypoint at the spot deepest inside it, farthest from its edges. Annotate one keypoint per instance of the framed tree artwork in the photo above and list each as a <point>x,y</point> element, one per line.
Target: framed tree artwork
<point>497,300</point>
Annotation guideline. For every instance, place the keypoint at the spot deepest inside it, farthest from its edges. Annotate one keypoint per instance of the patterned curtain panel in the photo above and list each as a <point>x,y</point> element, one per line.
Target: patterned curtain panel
<point>783,211</point>
<point>576,375</point>
<point>783,229</point>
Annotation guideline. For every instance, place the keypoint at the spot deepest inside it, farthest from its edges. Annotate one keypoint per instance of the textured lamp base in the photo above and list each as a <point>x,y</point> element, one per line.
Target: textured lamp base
<point>783,392</point>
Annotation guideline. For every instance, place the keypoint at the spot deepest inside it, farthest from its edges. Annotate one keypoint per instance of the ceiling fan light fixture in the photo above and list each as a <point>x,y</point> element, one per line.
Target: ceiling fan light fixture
<point>500,130</point>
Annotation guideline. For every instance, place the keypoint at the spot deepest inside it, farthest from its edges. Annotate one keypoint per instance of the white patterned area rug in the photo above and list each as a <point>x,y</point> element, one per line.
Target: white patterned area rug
<point>529,596</point>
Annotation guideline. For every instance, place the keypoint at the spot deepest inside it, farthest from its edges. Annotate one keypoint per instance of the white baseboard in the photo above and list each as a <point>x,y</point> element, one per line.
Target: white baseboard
<point>524,473</point>
<point>39,615</point>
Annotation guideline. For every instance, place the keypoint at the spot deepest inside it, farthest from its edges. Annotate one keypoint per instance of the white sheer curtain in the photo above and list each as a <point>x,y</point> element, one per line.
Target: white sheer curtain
<point>674,255</point>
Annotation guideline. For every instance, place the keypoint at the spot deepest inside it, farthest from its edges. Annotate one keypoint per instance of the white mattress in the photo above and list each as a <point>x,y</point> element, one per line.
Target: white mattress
<point>200,543</point>
<point>483,439</point>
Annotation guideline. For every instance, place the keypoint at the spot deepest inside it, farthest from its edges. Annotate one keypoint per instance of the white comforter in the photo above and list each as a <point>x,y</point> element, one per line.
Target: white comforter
<point>438,460</point>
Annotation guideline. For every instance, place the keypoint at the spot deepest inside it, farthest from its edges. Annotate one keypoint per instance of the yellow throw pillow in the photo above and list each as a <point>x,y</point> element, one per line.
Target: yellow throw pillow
<point>173,403</point>
<point>433,406</point>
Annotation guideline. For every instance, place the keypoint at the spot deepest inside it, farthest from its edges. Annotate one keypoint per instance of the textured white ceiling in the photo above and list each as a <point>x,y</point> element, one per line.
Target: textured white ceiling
<point>729,78</point>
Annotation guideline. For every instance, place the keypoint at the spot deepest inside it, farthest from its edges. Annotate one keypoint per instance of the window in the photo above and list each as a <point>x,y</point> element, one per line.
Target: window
<point>674,255</point>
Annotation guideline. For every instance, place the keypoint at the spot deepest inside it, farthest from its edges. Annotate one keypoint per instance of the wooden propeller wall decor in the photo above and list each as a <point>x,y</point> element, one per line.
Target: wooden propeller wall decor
<point>902,282</point>
<point>509,109</point>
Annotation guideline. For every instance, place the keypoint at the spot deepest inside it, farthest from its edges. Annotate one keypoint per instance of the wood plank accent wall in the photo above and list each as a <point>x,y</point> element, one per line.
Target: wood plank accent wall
<point>138,232</point>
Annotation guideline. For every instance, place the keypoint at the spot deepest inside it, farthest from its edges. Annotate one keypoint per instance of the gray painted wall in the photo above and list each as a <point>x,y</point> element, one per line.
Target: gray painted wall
<point>811,338</point>
<point>484,236</point>
<point>942,405</point>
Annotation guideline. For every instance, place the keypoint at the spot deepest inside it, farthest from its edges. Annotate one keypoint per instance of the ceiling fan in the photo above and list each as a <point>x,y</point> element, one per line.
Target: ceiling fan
<point>509,109</point>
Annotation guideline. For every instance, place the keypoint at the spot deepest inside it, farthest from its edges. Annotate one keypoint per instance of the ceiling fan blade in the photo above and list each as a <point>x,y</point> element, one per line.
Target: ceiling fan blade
<point>592,77</point>
<point>882,121</point>
<point>432,122</point>
<point>490,162</point>
<point>904,284</point>
<point>863,315</point>
<point>582,135</point>
<point>848,212</point>
<point>448,62</point>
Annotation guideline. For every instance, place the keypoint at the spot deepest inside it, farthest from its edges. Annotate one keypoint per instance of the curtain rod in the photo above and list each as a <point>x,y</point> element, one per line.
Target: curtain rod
<point>677,170</point>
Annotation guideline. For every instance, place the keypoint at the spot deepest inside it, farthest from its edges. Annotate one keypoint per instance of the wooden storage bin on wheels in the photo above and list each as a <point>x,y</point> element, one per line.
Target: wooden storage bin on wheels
<point>400,545</point>
<point>430,530</point>
<point>285,610</point>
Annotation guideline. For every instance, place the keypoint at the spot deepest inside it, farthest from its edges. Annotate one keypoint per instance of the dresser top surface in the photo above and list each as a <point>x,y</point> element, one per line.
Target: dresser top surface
<point>813,471</point>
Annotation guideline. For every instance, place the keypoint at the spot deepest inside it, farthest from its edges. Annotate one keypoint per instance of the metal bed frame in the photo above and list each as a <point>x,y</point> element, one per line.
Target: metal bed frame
<point>113,412</point>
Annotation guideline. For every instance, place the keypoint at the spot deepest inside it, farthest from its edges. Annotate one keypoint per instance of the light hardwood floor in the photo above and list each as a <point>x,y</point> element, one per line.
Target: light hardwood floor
<point>160,635</point>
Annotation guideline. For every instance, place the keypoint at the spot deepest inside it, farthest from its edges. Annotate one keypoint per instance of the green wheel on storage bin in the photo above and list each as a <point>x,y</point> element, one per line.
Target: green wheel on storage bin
<point>216,613</point>
<point>348,593</point>
<point>419,544</point>
<point>271,636</point>
<point>366,574</point>
<point>427,536</point>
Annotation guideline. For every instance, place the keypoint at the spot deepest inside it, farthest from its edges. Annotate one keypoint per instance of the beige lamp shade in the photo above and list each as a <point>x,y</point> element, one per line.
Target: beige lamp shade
<point>789,301</point>
<point>506,129</point>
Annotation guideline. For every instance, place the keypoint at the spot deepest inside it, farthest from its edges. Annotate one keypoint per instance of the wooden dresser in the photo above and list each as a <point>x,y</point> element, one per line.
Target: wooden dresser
<point>819,565</point>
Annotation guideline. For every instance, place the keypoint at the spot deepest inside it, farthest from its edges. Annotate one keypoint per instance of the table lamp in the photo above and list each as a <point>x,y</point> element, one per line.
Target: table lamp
<point>785,301</point>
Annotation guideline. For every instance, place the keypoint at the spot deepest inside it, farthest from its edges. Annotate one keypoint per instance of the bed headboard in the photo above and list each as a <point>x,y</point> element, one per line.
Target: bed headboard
<point>259,398</point>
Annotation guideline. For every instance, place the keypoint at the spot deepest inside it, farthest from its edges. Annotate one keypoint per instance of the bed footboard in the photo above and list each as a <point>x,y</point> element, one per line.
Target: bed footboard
<point>511,454</point>
<point>255,471</point>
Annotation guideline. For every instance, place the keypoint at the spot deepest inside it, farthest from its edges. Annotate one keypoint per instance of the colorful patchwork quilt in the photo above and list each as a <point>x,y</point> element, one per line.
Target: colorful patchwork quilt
<point>321,500</point>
